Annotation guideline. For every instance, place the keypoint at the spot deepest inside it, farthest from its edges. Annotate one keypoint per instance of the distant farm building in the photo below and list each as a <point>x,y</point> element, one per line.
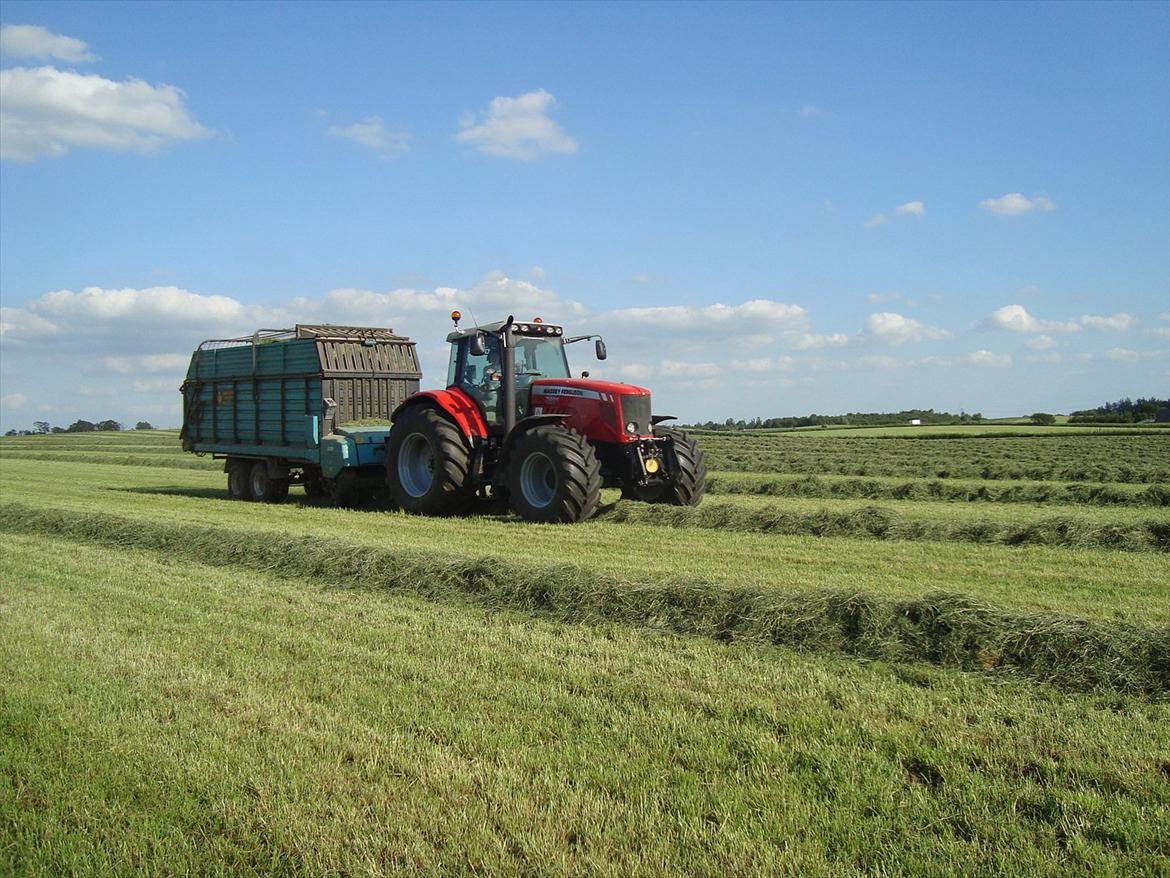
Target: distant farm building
<point>916,422</point>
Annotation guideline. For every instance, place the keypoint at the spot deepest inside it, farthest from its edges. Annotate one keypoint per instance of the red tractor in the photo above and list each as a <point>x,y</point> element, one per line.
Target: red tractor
<point>513,422</point>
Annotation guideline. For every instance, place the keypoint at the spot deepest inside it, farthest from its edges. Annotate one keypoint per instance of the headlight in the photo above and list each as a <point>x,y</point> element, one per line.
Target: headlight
<point>631,427</point>
<point>652,465</point>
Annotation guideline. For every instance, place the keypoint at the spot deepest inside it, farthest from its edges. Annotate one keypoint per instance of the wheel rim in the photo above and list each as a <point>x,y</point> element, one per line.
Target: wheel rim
<point>538,480</point>
<point>416,465</point>
<point>259,483</point>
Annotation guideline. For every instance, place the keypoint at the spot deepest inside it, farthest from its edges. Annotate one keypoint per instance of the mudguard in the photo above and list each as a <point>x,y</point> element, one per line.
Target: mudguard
<point>460,407</point>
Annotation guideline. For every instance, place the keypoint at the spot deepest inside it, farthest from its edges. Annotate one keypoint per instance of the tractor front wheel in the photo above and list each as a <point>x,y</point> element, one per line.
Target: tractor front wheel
<point>554,476</point>
<point>690,481</point>
<point>428,465</point>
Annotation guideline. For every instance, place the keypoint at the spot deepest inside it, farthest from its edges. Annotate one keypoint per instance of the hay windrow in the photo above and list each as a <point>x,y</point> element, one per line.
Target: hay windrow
<point>880,523</point>
<point>948,629</point>
<point>811,486</point>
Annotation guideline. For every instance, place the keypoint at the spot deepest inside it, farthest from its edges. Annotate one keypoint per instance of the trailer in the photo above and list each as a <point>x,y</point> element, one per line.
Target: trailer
<point>279,408</point>
<point>284,407</point>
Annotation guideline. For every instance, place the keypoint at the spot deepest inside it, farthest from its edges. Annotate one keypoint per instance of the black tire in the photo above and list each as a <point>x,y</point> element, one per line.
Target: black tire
<point>428,465</point>
<point>349,492</point>
<point>314,484</point>
<point>554,476</point>
<point>239,487</point>
<point>690,483</point>
<point>264,487</point>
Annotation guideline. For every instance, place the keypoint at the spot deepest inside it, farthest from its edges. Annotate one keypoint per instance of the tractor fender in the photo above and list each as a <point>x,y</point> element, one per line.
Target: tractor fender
<point>523,426</point>
<point>456,404</point>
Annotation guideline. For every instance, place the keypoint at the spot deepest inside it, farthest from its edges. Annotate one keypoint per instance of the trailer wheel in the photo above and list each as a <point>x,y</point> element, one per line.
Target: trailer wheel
<point>264,487</point>
<point>238,485</point>
<point>554,476</point>
<point>690,482</point>
<point>428,465</point>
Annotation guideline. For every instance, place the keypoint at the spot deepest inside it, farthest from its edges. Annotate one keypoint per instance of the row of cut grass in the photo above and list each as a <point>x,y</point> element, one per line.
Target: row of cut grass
<point>1090,583</point>
<point>255,725</point>
<point>883,523</point>
<point>953,630</point>
<point>954,490</point>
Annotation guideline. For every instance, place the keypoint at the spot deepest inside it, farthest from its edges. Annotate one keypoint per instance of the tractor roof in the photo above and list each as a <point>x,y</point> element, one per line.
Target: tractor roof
<point>521,328</point>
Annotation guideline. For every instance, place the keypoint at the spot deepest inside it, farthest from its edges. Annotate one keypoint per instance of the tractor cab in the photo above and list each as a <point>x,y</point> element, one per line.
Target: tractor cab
<point>504,358</point>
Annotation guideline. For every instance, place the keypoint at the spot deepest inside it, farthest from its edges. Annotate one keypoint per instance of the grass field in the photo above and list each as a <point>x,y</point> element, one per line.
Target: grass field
<point>831,674</point>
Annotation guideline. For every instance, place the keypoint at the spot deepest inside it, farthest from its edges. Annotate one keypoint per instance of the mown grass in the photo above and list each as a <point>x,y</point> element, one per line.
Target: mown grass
<point>953,630</point>
<point>165,717</point>
<point>1139,458</point>
<point>951,490</point>
<point>1094,584</point>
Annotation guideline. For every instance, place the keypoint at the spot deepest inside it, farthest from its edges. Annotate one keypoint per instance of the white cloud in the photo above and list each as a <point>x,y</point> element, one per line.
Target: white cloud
<point>911,208</point>
<point>687,369</point>
<point>1160,332</point>
<point>372,134</point>
<point>536,273</point>
<point>896,329</point>
<point>1041,343</point>
<point>1117,322</point>
<point>70,311</point>
<point>759,365</point>
<point>13,400</point>
<point>1125,355</point>
<point>809,111</point>
<point>33,41</point>
<point>879,362</point>
<point>1014,204</point>
<point>148,363</point>
<point>1016,318</point>
<point>879,219</point>
<point>517,128</point>
<point>46,111</point>
<point>987,358</point>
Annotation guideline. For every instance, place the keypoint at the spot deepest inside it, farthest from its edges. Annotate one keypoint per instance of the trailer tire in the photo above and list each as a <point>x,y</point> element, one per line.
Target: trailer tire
<point>239,486</point>
<point>554,476</point>
<point>428,465</point>
<point>690,482</point>
<point>264,487</point>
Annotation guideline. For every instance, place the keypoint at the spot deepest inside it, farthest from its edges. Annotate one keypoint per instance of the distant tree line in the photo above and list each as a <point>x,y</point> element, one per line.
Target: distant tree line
<point>40,427</point>
<point>1124,411</point>
<point>855,419</point>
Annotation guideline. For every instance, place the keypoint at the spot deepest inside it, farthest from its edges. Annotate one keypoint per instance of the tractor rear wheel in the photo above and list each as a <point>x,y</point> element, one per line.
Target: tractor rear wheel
<point>428,465</point>
<point>690,482</point>
<point>554,476</point>
<point>264,487</point>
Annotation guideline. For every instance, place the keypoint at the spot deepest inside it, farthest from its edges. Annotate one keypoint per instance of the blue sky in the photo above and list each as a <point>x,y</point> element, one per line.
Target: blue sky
<point>767,209</point>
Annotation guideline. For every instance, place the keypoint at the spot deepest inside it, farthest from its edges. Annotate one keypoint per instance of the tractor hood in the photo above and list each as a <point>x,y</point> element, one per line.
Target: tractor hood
<point>590,388</point>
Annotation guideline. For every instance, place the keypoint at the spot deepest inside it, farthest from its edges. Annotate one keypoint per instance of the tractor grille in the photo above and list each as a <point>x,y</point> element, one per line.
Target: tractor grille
<point>636,408</point>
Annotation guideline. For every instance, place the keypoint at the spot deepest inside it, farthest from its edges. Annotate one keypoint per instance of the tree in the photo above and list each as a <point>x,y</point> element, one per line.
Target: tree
<point>57,430</point>
<point>40,426</point>
<point>10,433</point>
<point>108,426</point>
<point>143,425</point>
<point>1043,419</point>
<point>81,427</point>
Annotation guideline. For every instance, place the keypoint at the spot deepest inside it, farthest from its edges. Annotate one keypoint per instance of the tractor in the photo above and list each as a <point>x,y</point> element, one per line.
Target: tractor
<point>513,424</point>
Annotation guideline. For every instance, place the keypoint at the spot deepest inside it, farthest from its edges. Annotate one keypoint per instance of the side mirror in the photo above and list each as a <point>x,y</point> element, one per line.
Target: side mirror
<point>599,346</point>
<point>477,346</point>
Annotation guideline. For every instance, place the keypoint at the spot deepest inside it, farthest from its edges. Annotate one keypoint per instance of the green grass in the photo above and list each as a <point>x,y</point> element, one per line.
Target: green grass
<point>163,717</point>
<point>192,684</point>
<point>1089,583</point>
<point>955,490</point>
